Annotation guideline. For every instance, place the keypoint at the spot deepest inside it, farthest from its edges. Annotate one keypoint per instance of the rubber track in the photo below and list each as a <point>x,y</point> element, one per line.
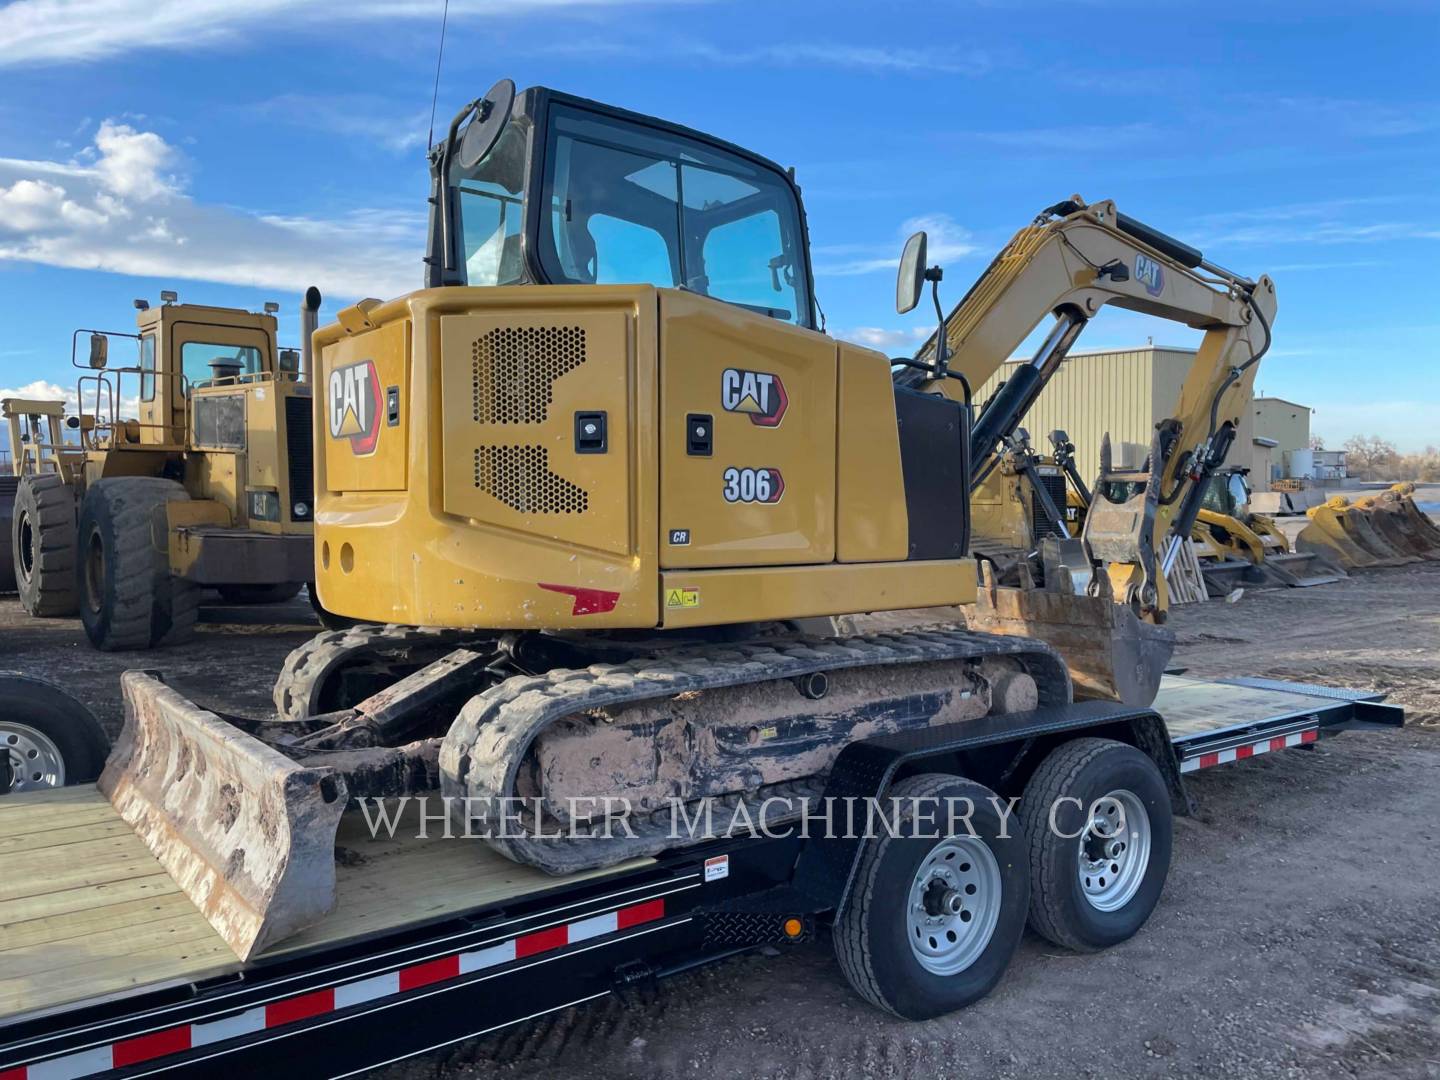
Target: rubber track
<point>309,666</point>
<point>486,745</point>
<point>852,943</point>
<point>1054,779</point>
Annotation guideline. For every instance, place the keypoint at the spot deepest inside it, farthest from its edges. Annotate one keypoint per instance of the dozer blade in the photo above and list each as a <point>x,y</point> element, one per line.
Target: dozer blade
<point>1110,652</point>
<point>247,833</point>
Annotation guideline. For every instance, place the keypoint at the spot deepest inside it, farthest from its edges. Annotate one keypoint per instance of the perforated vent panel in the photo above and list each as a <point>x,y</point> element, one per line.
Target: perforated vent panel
<point>515,368</point>
<point>520,477</point>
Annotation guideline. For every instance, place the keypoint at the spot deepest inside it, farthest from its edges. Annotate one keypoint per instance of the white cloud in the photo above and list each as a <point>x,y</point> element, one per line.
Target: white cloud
<point>880,59</point>
<point>60,31</point>
<point>1078,139</point>
<point>121,206</point>
<point>948,241</point>
<point>885,339</point>
<point>41,390</point>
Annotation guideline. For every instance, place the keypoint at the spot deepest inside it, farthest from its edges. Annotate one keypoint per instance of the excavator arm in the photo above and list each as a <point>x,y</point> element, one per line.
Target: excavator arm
<point>1071,261</point>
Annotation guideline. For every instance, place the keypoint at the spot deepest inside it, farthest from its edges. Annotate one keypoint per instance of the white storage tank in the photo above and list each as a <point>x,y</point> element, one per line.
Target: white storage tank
<point>1300,464</point>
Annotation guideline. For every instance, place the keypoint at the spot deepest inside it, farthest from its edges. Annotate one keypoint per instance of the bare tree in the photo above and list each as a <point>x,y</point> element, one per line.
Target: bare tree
<point>1369,454</point>
<point>1317,442</point>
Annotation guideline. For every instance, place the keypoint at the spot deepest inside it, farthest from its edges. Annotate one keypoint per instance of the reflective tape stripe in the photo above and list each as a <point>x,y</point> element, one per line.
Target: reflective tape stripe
<point>1240,753</point>
<point>290,1010</point>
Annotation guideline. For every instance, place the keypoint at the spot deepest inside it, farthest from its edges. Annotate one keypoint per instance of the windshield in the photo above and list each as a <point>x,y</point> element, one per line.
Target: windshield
<point>627,203</point>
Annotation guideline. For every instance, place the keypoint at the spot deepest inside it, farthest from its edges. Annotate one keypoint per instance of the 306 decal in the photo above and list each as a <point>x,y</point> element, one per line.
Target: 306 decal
<point>758,394</point>
<point>753,485</point>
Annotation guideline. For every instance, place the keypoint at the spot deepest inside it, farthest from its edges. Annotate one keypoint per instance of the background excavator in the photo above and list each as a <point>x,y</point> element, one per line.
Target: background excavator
<point>591,480</point>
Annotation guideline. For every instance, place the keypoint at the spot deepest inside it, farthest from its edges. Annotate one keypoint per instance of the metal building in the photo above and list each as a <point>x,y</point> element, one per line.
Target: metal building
<point>1122,391</point>
<point>1126,391</point>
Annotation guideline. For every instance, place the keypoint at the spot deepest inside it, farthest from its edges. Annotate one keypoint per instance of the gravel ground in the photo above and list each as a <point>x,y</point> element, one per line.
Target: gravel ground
<point>1298,936</point>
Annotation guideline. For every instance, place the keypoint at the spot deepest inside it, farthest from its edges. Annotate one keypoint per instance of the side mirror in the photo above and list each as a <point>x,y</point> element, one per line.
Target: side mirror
<point>911,280</point>
<point>99,350</point>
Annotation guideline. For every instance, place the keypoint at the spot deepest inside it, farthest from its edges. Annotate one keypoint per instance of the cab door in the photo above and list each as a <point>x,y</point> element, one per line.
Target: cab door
<point>747,433</point>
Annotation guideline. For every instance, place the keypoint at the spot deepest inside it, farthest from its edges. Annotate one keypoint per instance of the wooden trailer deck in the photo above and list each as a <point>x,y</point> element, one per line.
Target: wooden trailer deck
<point>86,912</point>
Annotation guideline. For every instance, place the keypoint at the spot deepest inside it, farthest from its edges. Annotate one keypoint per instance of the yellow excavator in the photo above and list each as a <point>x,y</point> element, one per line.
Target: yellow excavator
<point>588,484</point>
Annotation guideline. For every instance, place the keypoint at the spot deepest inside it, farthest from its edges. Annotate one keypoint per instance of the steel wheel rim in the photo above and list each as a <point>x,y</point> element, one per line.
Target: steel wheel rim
<point>954,905</point>
<point>1114,850</point>
<point>95,572</point>
<point>27,547</point>
<point>35,760</point>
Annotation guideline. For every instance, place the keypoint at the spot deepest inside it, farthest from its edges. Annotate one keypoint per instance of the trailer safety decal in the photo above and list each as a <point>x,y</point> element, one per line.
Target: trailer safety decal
<point>1240,753</point>
<point>174,1040</point>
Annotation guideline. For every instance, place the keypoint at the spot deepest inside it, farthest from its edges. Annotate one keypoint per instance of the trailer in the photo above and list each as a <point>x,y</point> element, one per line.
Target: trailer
<point>106,968</point>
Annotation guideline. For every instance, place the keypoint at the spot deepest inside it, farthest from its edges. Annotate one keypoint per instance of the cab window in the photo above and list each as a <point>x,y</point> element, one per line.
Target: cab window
<point>626,203</point>
<point>147,367</point>
<point>201,361</point>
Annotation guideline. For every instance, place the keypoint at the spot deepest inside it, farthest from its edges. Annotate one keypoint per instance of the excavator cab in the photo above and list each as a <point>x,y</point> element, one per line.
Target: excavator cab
<point>546,188</point>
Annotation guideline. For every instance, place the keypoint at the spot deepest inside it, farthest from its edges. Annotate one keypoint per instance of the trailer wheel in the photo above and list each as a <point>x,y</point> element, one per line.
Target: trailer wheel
<point>259,594</point>
<point>43,538</point>
<point>1098,862</point>
<point>128,598</point>
<point>934,915</point>
<point>48,738</point>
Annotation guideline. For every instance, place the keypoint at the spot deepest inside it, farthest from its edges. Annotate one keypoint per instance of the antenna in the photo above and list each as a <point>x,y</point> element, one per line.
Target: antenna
<point>435,95</point>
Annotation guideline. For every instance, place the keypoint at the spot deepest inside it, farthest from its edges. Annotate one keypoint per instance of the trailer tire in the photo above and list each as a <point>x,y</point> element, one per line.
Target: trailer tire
<point>128,598</point>
<point>1084,895</point>
<point>52,732</point>
<point>881,937</point>
<point>43,538</point>
<point>260,594</point>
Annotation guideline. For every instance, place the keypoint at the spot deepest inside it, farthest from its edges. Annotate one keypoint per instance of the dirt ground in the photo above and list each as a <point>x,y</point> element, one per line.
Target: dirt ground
<point>1298,936</point>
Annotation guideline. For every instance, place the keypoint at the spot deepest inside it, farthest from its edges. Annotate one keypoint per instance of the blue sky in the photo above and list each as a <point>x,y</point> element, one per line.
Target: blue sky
<point>239,151</point>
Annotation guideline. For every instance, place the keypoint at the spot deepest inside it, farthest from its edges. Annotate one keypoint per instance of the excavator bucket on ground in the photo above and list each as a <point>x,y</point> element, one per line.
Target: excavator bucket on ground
<point>1111,653</point>
<point>1421,523</point>
<point>247,833</point>
<point>1385,530</point>
<point>1392,522</point>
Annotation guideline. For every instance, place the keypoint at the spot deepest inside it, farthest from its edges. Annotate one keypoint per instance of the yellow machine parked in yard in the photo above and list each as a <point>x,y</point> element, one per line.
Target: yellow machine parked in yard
<point>208,485</point>
<point>598,472</point>
<point>1240,547</point>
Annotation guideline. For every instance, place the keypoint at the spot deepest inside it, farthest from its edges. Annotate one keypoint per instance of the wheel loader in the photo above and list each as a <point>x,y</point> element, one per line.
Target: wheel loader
<point>601,487</point>
<point>208,485</point>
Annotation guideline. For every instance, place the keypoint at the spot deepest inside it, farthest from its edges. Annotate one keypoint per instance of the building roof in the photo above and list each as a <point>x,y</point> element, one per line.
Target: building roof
<point>1281,401</point>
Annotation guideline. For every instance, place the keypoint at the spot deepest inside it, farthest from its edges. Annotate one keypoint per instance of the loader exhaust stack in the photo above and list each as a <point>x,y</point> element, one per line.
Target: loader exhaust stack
<point>246,833</point>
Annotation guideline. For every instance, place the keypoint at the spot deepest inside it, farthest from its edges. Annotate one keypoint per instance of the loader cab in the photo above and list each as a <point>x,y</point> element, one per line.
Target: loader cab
<point>188,347</point>
<point>572,192</point>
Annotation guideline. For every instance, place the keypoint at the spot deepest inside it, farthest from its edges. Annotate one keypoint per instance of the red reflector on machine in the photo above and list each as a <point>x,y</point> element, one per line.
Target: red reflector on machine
<point>587,601</point>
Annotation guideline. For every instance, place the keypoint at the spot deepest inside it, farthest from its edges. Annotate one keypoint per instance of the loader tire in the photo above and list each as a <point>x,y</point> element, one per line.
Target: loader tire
<point>9,485</point>
<point>43,538</point>
<point>128,598</point>
<point>260,594</point>
<point>911,962</point>
<point>50,738</point>
<point>1085,895</point>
